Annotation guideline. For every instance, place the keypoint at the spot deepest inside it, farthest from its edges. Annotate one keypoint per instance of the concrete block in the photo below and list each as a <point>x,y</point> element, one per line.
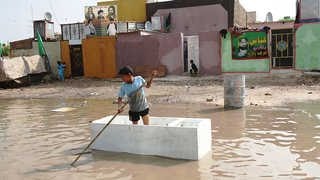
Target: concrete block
<point>179,138</point>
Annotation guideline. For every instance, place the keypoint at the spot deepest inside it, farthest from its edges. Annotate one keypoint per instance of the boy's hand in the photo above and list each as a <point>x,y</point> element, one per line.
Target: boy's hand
<point>120,110</point>
<point>154,74</point>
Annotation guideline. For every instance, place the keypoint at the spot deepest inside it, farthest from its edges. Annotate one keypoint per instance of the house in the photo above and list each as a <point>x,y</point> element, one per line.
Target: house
<point>182,31</point>
<point>307,35</point>
<point>281,43</point>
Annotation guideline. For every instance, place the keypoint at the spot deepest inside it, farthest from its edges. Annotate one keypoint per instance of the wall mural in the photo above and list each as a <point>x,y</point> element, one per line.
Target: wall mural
<point>101,12</point>
<point>249,45</point>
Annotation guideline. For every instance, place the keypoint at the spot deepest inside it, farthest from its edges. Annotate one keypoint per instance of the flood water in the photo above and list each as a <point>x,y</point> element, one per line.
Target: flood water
<point>252,143</point>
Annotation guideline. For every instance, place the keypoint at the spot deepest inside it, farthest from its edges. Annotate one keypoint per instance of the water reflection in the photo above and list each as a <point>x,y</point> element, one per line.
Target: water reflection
<point>282,142</point>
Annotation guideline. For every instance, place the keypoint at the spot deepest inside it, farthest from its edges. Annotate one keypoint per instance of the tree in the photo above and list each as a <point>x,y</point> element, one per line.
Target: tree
<point>5,49</point>
<point>287,19</point>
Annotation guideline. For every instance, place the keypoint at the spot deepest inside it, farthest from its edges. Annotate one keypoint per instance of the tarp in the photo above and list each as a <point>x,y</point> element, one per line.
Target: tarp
<point>14,68</point>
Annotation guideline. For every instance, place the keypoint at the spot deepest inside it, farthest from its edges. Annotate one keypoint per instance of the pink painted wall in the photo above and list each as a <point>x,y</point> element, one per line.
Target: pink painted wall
<point>167,48</point>
<point>152,51</point>
<point>171,52</point>
<point>209,55</point>
<point>206,22</point>
<point>191,20</point>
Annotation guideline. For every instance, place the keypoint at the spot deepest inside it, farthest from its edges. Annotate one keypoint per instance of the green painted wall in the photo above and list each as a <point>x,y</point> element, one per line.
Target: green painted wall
<point>229,65</point>
<point>308,47</point>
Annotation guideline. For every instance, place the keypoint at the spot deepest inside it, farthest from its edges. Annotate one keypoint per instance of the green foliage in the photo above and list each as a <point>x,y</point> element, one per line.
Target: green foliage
<point>5,49</point>
<point>287,19</point>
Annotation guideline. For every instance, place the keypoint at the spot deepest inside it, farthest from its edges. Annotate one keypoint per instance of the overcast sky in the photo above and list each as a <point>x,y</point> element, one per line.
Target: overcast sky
<point>17,15</point>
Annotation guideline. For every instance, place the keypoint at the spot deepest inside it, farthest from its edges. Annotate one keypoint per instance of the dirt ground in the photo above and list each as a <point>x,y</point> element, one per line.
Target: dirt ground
<point>261,90</point>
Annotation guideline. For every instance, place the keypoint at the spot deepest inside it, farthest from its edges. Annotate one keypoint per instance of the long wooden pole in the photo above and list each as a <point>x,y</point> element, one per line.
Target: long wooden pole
<point>114,116</point>
<point>95,138</point>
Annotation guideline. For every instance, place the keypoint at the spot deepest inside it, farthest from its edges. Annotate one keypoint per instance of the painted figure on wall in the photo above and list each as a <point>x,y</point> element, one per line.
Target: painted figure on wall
<point>250,45</point>
<point>112,28</point>
<point>90,15</point>
<point>101,15</point>
<point>243,47</point>
<point>112,12</point>
<point>100,12</point>
<point>89,29</point>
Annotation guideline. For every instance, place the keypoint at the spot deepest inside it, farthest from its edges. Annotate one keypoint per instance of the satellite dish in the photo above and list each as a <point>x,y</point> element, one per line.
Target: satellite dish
<point>48,16</point>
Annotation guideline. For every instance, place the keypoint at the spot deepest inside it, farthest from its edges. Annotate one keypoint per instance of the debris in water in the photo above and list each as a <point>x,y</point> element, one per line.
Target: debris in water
<point>209,99</point>
<point>64,109</point>
<point>309,92</point>
<point>93,94</point>
<point>268,94</point>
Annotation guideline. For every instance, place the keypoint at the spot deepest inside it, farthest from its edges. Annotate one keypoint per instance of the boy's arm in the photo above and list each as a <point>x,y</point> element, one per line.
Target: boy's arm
<point>120,99</point>
<point>149,83</point>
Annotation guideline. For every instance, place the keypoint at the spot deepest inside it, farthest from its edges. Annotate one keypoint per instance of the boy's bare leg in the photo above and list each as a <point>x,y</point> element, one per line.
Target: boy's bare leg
<point>145,119</point>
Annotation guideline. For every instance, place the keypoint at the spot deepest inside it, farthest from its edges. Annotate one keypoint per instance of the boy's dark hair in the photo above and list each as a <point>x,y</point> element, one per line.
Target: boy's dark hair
<point>127,70</point>
<point>191,61</point>
<point>58,62</point>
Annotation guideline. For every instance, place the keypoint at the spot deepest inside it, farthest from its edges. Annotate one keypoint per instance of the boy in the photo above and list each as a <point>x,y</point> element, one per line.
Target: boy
<point>61,67</point>
<point>194,69</point>
<point>133,89</point>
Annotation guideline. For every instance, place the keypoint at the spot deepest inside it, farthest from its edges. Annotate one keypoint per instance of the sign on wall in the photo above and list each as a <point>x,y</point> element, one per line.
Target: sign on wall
<point>122,27</point>
<point>101,12</point>
<point>156,23</point>
<point>73,31</point>
<point>250,45</point>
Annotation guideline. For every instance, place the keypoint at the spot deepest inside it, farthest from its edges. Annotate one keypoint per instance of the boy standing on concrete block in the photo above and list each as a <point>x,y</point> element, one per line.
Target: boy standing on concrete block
<point>132,88</point>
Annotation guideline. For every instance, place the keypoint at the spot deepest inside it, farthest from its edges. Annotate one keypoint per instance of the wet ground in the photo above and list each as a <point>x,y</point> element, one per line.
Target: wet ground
<point>252,143</point>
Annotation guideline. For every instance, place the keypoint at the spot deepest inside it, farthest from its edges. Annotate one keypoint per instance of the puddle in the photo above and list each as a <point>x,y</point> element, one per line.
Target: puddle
<point>267,143</point>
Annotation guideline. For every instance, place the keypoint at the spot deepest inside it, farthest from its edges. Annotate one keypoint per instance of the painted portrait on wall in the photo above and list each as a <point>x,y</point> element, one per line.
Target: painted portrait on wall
<point>112,12</point>
<point>250,45</point>
<point>101,12</point>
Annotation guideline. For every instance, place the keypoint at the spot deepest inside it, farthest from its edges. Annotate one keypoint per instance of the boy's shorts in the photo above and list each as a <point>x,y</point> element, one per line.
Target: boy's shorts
<point>135,116</point>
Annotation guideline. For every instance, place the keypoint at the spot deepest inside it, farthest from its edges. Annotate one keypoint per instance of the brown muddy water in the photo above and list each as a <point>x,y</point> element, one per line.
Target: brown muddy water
<point>252,143</point>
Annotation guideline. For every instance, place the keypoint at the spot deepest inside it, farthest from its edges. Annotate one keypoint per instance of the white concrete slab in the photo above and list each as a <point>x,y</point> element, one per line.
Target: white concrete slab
<point>180,138</point>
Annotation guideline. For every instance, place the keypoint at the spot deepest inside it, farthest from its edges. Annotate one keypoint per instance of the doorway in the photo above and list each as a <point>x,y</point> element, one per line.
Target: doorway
<point>282,49</point>
<point>76,61</point>
<point>191,52</point>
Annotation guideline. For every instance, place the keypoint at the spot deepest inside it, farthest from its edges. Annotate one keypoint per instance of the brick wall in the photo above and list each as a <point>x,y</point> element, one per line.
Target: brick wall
<point>239,14</point>
<point>251,17</point>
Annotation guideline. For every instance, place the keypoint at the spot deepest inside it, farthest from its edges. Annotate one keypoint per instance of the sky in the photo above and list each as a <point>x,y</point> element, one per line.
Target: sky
<point>278,8</point>
<point>17,15</point>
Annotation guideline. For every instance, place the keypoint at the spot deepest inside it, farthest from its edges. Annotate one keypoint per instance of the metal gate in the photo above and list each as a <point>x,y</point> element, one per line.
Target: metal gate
<point>76,60</point>
<point>282,48</point>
